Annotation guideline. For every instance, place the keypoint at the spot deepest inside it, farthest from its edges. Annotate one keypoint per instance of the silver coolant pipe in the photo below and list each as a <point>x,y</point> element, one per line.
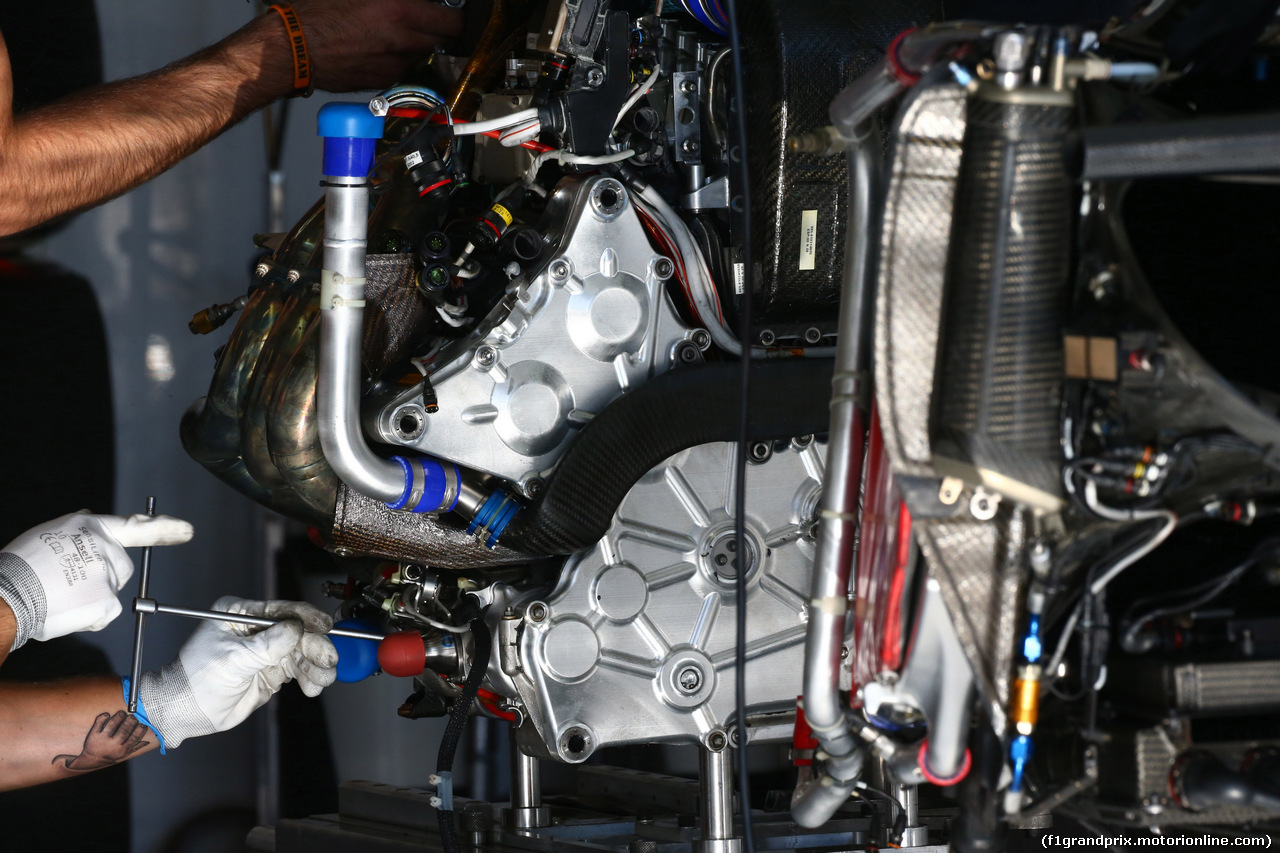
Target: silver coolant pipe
<point>349,131</point>
<point>841,760</point>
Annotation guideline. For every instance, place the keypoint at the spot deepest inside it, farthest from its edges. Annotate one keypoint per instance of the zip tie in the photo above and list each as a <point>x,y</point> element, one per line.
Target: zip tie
<point>832,605</point>
<point>302,87</point>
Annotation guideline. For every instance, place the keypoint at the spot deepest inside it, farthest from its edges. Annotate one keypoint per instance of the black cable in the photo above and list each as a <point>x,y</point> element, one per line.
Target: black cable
<point>457,722</point>
<point>740,466</point>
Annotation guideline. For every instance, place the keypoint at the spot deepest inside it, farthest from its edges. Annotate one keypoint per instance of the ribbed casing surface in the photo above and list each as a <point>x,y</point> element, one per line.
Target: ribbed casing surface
<point>1002,360</point>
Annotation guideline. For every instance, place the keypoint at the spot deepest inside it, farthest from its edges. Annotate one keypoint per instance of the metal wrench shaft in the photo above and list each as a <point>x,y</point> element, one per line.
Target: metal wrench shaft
<point>139,625</point>
<point>149,606</point>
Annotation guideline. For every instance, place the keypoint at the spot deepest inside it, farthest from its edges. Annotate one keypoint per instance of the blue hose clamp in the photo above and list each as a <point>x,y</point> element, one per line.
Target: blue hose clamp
<point>494,516</point>
<point>350,133</point>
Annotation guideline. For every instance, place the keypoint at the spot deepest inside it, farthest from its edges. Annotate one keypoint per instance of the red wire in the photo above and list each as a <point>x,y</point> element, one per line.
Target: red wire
<point>413,112</point>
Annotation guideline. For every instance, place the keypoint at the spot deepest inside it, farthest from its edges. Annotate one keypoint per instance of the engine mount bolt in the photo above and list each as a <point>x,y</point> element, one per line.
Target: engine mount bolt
<point>689,146</point>
<point>262,269</point>
<point>486,356</point>
<point>812,335</point>
<point>595,78</point>
<point>663,268</point>
<point>559,270</point>
<point>717,741</point>
<point>534,486</point>
<point>690,679</point>
<point>701,339</point>
<point>760,452</point>
<point>688,87</point>
<point>687,352</point>
<point>800,442</point>
<point>294,276</point>
<point>537,611</point>
<point>767,338</point>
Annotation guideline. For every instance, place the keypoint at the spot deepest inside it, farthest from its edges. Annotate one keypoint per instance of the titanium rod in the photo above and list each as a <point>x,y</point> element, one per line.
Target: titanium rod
<point>241,619</point>
<point>139,625</point>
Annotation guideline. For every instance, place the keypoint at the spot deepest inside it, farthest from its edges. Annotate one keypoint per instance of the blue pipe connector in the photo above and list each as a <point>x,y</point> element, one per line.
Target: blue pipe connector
<point>429,485</point>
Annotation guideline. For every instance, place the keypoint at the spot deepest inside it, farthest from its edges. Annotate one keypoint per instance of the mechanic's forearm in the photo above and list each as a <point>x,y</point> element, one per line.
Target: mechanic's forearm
<point>65,728</point>
<point>100,143</point>
<point>8,629</point>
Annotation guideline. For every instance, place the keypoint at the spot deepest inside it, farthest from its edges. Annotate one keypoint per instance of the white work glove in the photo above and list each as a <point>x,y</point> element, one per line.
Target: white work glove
<point>63,576</point>
<point>226,671</point>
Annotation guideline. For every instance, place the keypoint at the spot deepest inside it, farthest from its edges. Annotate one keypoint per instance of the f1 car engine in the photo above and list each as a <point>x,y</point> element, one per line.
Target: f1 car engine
<point>586,359</point>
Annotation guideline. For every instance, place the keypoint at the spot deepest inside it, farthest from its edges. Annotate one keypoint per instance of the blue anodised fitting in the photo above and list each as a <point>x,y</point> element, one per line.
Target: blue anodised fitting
<point>429,485</point>
<point>357,659</point>
<point>1019,754</point>
<point>494,516</point>
<point>1032,648</point>
<point>350,133</point>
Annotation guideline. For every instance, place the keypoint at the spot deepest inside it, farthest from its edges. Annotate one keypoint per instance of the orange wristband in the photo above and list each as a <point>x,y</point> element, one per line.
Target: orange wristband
<point>298,49</point>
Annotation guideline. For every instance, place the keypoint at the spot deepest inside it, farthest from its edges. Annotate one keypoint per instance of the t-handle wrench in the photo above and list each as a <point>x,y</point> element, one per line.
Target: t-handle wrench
<point>144,605</point>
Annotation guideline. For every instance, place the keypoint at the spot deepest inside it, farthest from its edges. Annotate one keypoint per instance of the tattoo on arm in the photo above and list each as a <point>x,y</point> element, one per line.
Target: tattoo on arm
<point>112,738</point>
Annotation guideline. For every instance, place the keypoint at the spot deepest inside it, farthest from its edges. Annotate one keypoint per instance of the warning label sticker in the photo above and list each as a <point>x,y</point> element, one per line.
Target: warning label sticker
<point>808,239</point>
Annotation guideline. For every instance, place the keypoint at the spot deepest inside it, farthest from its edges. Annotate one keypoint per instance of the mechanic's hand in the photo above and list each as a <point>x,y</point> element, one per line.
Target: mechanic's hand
<point>63,576</point>
<point>225,672</point>
<point>365,44</point>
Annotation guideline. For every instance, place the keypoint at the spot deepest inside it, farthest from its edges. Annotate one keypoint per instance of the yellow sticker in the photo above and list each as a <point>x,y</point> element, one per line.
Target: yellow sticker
<point>503,212</point>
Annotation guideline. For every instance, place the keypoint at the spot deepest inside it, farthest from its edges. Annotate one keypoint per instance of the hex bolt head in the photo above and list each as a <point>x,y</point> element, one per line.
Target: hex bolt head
<point>537,611</point>
<point>767,338</point>
<point>688,87</point>
<point>663,268</point>
<point>812,335</point>
<point>559,270</point>
<point>760,451</point>
<point>486,356</point>
<point>262,269</point>
<point>717,741</point>
<point>689,146</point>
<point>595,78</point>
<point>379,106</point>
<point>701,339</point>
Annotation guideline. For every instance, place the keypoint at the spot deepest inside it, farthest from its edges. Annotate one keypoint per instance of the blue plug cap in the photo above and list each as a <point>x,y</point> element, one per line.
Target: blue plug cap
<point>349,121</point>
<point>357,659</point>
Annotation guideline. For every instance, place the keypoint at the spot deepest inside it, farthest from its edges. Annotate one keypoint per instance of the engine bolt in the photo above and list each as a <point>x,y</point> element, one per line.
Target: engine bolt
<point>689,146</point>
<point>559,270</point>
<point>687,352</point>
<point>688,87</point>
<point>379,106</point>
<point>262,269</point>
<point>486,356</point>
<point>294,276</point>
<point>812,335</point>
<point>595,78</point>
<point>537,611</point>
<point>760,451</point>
<point>701,339</point>
<point>663,268</point>
<point>800,442</point>
<point>534,486</point>
<point>768,338</point>
<point>690,679</point>
<point>412,572</point>
<point>716,741</point>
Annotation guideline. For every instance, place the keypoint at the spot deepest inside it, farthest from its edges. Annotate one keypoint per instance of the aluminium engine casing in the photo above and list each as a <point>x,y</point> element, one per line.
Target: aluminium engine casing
<point>636,643</point>
<point>592,323</point>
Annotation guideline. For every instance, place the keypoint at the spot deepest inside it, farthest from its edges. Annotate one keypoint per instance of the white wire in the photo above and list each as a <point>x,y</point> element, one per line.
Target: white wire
<point>472,128</point>
<point>443,626</point>
<point>456,322</point>
<point>561,156</point>
<point>1051,669</point>
<point>640,92</point>
<point>1113,514</point>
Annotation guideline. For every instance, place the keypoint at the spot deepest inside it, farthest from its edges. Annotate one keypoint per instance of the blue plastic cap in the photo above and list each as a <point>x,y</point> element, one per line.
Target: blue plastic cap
<point>357,659</point>
<point>349,121</point>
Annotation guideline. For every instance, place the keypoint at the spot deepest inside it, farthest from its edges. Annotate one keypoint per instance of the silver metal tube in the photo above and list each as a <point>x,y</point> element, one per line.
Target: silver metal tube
<point>833,558</point>
<point>526,782</point>
<point>341,334</point>
<point>813,803</point>
<point>140,619</point>
<point>717,794</point>
<point>527,810</point>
